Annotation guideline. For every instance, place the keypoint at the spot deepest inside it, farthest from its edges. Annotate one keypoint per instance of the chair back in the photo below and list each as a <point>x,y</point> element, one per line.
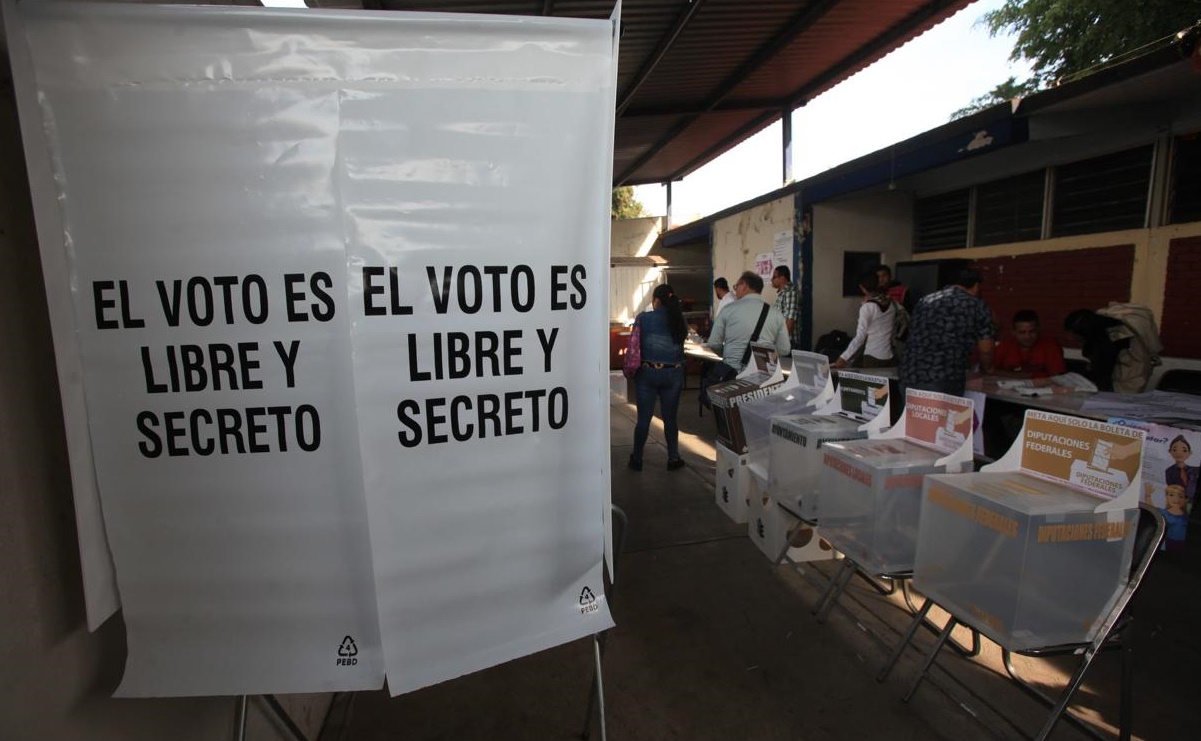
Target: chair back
<point>1180,380</point>
<point>1148,536</point>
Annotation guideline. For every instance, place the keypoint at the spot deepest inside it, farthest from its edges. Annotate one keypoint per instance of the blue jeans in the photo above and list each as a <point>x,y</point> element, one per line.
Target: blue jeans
<point>664,385</point>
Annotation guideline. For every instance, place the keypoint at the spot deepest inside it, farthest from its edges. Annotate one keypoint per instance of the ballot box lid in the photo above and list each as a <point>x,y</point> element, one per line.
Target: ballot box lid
<point>885,453</point>
<point>1019,492</point>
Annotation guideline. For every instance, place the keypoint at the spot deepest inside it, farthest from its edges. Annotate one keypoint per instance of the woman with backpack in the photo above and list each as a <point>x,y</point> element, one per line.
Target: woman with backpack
<point>878,320</point>
<point>661,376</point>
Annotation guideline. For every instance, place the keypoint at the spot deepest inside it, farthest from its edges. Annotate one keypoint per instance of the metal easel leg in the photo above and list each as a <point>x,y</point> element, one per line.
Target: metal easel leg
<point>595,692</point>
<point>240,724</point>
<point>600,686</point>
<point>273,704</point>
<point>837,586</point>
<point>285,718</point>
<point>942,639</point>
<point>905,640</point>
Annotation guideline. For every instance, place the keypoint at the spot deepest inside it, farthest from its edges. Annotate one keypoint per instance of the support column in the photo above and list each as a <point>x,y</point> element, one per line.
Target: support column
<point>668,186</point>
<point>786,144</point>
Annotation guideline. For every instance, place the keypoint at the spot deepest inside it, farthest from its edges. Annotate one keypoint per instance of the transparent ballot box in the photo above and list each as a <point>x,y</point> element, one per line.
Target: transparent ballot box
<point>808,387</point>
<point>796,456</point>
<point>756,423</point>
<point>871,500</point>
<point>1026,561</point>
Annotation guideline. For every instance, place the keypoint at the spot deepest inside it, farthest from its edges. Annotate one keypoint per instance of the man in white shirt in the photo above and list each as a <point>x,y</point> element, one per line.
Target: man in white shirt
<point>873,334</point>
<point>721,287</point>
<point>731,335</point>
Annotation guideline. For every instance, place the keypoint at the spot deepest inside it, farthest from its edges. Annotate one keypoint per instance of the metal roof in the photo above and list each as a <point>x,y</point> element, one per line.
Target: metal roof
<point>1165,83</point>
<point>697,77</point>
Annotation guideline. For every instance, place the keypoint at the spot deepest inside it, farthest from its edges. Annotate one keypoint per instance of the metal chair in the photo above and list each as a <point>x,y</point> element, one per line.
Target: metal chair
<point>596,695</point>
<point>1115,632</point>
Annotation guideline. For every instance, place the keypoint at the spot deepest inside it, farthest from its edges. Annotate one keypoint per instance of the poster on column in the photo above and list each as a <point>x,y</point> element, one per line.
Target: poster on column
<point>194,152</point>
<point>476,199</point>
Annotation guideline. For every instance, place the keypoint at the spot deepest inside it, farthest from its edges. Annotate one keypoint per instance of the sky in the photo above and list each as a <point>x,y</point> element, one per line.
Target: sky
<point>913,89</point>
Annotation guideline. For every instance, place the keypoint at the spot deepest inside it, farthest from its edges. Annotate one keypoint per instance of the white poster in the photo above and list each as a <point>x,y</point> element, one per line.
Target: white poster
<point>194,154</point>
<point>782,251</point>
<point>476,197</point>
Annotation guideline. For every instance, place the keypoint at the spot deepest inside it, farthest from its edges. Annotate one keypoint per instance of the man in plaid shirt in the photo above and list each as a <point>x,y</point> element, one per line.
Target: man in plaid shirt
<point>788,302</point>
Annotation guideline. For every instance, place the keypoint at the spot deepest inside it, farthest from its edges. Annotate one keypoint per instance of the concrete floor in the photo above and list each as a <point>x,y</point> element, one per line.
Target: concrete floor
<point>713,642</point>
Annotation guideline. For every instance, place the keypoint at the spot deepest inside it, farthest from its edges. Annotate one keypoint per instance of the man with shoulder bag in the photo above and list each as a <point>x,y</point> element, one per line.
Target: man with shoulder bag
<point>749,319</point>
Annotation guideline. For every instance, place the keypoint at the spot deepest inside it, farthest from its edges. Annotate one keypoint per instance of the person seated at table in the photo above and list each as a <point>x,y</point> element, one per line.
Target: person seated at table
<point>873,333</point>
<point>1028,353</point>
<point>1118,359</point>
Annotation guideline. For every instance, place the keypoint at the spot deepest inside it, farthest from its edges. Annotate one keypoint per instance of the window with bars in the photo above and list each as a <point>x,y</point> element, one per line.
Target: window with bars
<point>1102,194</point>
<point>1010,210</point>
<point>940,222</point>
<point>1184,198</point>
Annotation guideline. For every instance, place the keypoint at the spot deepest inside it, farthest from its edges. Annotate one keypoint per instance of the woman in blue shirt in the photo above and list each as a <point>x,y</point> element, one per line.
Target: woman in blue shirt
<point>661,376</point>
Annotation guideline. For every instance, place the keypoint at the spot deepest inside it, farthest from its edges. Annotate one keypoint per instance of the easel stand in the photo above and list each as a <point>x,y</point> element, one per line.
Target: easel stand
<point>276,709</point>
<point>597,696</point>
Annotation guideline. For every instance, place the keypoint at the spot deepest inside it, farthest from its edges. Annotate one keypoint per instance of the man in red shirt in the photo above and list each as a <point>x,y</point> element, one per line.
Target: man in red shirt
<point>1027,353</point>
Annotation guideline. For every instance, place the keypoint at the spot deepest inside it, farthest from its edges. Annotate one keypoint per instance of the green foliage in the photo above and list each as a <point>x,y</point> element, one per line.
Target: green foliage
<point>1067,37</point>
<point>1002,93</point>
<point>625,205</point>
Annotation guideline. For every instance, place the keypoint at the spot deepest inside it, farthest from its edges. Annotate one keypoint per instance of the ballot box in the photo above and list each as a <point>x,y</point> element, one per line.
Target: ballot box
<point>796,455</point>
<point>732,484</point>
<point>762,377</point>
<point>1034,550</point>
<point>1029,562</point>
<point>872,500</point>
<point>807,387</point>
<point>872,489</point>
<point>860,406</point>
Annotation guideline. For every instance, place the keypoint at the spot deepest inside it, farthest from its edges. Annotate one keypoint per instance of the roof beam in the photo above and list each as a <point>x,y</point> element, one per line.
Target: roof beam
<point>745,104</point>
<point>665,43</point>
<point>801,20</point>
<point>750,127</point>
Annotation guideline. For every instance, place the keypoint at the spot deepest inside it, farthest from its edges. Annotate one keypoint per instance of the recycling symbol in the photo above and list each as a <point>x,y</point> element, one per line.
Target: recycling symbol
<point>348,648</point>
<point>586,597</point>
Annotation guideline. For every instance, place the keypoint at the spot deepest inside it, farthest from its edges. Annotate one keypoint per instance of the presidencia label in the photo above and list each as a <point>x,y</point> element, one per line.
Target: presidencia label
<point>1097,457</point>
<point>941,421</point>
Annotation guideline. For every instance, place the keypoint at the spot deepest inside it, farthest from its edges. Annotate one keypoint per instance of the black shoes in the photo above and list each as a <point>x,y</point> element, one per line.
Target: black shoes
<point>672,465</point>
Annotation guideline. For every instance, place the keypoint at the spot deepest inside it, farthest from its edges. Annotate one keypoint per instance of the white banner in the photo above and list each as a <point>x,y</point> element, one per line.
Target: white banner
<point>276,219</point>
<point>204,232</point>
<point>101,600</point>
<point>476,197</point>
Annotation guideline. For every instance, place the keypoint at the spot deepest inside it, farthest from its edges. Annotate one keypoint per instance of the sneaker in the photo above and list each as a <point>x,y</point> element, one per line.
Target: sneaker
<point>634,465</point>
<point>675,465</point>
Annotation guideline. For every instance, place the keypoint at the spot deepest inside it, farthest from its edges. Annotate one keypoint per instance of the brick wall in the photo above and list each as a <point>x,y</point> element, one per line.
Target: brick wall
<point>1056,283</point>
<point>1180,329</point>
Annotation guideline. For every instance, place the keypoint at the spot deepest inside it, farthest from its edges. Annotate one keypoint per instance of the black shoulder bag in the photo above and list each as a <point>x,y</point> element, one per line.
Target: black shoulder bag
<point>722,372</point>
